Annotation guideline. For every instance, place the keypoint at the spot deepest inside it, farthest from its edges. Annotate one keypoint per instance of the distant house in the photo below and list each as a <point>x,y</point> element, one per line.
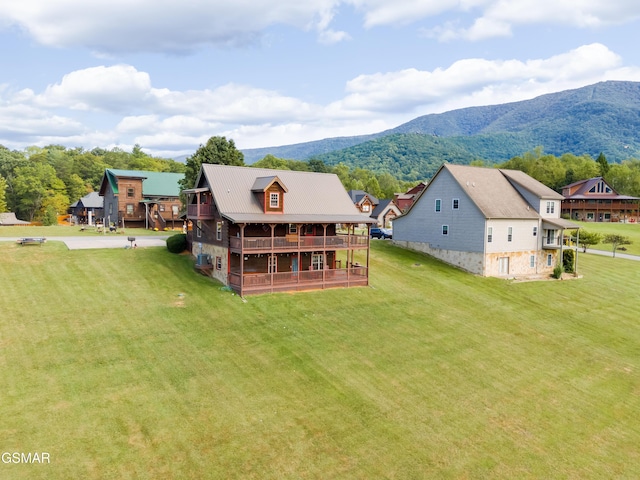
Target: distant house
<point>9,219</point>
<point>490,222</point>
<point>259,230</point>
<point>89,208</point>
<point>404,200</point>
<point>364,201</point>
<point>140,198</point>
<point>383,211</point>
<point>594,200</point>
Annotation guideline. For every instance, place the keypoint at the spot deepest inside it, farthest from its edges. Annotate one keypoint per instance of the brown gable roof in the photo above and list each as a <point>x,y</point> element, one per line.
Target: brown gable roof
<point>311,197</point>
<point>263,183</point>
<point>539,189</point>
<point>490,191</point>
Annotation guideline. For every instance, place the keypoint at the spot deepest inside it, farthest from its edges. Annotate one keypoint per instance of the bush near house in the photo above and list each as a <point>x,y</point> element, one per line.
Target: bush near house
<point>177,243</point>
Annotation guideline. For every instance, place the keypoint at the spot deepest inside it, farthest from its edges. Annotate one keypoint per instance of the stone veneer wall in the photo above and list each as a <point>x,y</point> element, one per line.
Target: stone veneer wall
<point>214,251</point>
<point>469,261</point>
<point>519,262</point>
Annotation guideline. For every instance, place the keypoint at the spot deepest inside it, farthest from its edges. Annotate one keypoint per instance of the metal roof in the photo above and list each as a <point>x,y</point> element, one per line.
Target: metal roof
<point>311,197</point>
<point>154,184</point>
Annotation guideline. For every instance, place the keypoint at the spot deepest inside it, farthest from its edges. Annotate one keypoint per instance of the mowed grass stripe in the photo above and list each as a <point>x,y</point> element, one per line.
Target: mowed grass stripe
<point>429,373</point>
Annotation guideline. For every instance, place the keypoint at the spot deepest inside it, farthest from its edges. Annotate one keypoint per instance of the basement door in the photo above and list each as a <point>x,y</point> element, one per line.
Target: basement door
<point>503,265</point>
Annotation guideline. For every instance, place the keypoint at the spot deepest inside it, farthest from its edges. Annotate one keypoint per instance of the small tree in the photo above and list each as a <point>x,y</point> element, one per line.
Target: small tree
<point>587,239</point>
<point>616,241</point>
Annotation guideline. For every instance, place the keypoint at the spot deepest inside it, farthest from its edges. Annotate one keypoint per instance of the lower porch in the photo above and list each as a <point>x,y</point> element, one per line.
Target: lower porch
<point>253,283</point>
<point>294,271</point>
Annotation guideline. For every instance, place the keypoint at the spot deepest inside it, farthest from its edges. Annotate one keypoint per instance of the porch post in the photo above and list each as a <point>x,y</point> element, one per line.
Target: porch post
<point>270,266</point>
<point>324,253</point>
<point>241,258</point>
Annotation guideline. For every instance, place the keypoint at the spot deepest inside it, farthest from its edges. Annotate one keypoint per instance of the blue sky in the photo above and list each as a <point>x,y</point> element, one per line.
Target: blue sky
<point>168,74</point>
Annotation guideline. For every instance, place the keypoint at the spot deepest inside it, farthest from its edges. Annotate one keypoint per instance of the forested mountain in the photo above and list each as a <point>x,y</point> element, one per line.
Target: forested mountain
<point>604,117</point>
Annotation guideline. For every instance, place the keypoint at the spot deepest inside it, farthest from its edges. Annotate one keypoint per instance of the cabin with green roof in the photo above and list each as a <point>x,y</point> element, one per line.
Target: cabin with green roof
<point>138,198</point>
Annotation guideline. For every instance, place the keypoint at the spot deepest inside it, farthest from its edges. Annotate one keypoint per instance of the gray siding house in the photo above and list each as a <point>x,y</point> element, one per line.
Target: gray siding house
<point>490,222</point>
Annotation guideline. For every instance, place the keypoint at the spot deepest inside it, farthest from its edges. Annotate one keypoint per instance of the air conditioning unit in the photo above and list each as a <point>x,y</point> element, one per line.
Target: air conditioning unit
<point>203,260</point>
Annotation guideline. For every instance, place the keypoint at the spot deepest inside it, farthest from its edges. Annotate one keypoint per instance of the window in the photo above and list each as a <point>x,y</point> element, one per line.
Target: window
<point>317,262</point>
<point>111,209</point>
<point>162,207</point>
<point>366,207</point>
<point>489,234</point>
<point>174,209</point>
<point>438,204</point>
<point>130,192</point>
<point>218,263</point>
<point>293,228</point>
<point>219,231</point>
<point>129,209</point>
<point>510,234</point>
<point>445,229</point>
<point>549,260</point>
<point>274,200</point>
<point>535,231</point>
<point>551,207</point>
<point>455,204</point>
<point>532,261</point>
<point>198,229</point>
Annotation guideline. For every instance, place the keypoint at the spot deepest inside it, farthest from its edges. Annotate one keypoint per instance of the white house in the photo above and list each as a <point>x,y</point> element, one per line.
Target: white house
<point>491,222</point>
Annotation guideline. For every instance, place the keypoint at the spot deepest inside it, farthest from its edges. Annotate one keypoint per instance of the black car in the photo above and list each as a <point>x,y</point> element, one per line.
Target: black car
<point>381,233</point>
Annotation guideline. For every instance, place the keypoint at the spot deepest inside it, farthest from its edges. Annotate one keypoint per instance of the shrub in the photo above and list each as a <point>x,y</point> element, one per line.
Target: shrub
<point>177,243</point>
<point>557,272</point>
<point>568,261</point>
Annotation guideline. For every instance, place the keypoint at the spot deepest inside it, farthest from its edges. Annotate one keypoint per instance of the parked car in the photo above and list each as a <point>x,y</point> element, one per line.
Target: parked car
<point>381,233</point>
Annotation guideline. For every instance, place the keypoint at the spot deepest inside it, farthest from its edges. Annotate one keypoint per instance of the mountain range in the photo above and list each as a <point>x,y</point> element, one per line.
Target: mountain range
<point>604,117</point>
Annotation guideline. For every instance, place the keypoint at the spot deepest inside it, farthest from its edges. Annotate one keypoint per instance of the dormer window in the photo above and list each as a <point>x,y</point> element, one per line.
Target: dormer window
<point>269,193</point>
<point>365,207</point>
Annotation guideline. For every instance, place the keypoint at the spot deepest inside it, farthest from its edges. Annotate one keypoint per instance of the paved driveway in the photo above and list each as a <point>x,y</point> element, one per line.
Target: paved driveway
<point>103,241</point>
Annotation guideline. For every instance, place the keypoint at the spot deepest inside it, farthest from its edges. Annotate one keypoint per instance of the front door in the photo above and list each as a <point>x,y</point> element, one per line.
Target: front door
<point>273,264</point>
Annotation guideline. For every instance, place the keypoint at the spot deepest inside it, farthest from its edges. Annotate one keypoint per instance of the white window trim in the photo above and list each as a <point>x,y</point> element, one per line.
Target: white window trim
<point>445,230</point>
<point>272,196</point>
<point>455,206</point>
<point>219,231</point>
<point>438,205</point>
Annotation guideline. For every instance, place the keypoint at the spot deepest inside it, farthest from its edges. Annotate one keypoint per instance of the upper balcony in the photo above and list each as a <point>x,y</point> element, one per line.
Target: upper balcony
<point>293,243</point>
<point>200,211</point>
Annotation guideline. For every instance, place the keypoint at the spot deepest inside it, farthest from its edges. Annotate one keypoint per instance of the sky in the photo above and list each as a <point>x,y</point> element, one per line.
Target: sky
<point>169,74</point>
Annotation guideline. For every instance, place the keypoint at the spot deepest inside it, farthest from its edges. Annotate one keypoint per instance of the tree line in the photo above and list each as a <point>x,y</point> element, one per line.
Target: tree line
<point>40,183</point>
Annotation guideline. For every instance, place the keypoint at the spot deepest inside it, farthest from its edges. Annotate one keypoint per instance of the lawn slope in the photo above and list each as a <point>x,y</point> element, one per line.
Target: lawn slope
<point>127,364</point>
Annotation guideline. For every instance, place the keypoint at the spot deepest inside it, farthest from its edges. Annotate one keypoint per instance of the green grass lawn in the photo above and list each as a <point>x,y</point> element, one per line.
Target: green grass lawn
<point>127,364</point>
<point>631,230</point>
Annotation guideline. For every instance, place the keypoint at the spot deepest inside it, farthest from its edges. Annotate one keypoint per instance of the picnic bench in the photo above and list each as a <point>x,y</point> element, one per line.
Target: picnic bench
<point>32,240</point>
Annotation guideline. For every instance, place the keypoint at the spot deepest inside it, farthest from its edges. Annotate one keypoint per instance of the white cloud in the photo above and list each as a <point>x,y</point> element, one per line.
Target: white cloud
<point>115,88</point>
<point>170,26</point>
<point>164,120</point>
<point>148,25</point>
<point>414,90</point>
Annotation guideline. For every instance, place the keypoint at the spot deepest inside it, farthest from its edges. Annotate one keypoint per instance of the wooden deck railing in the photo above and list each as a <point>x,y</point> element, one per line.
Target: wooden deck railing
<point>260,282</point>
<point>200,211</point>
<point>301,243</point>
